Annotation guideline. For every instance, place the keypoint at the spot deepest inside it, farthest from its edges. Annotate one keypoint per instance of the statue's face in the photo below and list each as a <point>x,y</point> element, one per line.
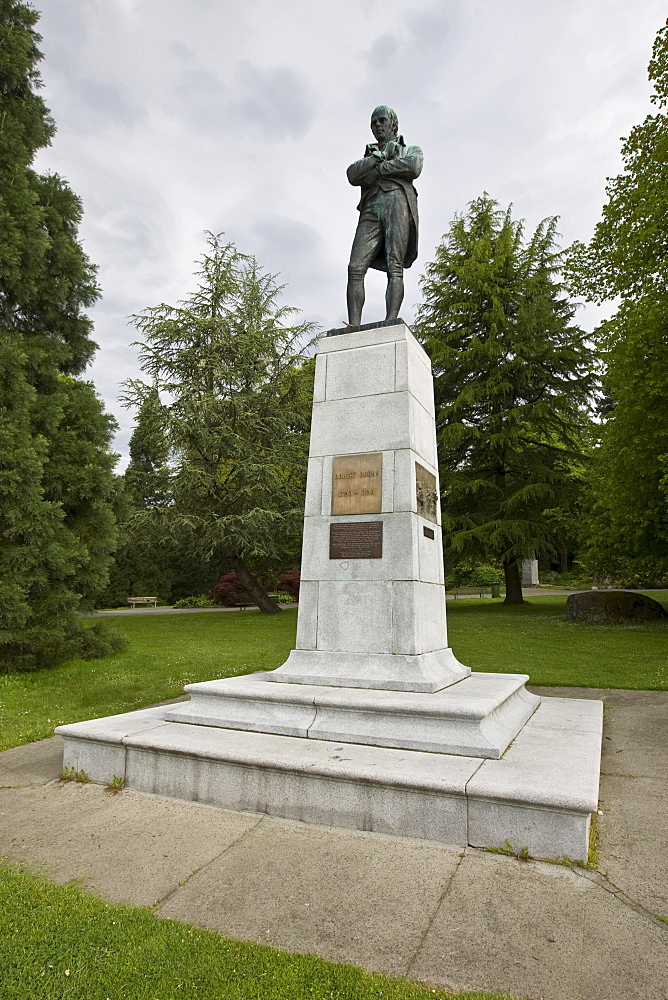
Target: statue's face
<point>381,127</point>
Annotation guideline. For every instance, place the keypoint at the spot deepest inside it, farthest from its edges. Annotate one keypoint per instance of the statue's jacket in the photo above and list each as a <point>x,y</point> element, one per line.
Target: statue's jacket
<point>398,170</point>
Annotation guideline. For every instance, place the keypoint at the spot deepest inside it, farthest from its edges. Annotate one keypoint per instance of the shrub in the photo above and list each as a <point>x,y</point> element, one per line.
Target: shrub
<point>281,597</point>
<point>229,591</point>
<point>484,576</point>
<point>468,574</point>
<point>289,583</point>
<point>99,640</point>
<point>81,641</point>
<point>195,602</point>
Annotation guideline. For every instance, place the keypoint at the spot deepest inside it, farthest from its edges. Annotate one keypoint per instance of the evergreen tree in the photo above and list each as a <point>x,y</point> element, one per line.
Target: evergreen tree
<point>512,383</point>
<point>56,523</point>
<point>142,565</point>
<point>234,416</point>
<point>152,558</point>
<point>628,527</point>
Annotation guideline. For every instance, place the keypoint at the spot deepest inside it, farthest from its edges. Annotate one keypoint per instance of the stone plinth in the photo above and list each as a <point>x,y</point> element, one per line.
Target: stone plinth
<point>373,622</point>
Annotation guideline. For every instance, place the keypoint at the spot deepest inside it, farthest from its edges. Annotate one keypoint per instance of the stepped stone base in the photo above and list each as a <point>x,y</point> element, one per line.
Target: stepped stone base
<point>539,795</point>
<point>477,717</point>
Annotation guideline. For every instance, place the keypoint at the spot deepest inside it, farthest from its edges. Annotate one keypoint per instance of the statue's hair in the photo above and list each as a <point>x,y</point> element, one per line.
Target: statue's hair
<point>392,115</point>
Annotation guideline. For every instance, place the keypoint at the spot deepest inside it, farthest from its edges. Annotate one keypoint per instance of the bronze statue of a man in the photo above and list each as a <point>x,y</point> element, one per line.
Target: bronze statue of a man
<point>387,232</point>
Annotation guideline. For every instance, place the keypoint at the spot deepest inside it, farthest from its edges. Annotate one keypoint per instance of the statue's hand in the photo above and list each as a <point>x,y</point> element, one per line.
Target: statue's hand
<point>390,149</point>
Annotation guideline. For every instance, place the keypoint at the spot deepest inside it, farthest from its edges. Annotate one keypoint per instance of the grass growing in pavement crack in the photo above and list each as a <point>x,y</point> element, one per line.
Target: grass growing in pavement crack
<point>71,774</point>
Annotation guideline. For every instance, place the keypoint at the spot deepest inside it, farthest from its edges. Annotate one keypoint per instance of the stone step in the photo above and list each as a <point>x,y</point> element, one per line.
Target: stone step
<point>539,796</point>
<point>477,717</point>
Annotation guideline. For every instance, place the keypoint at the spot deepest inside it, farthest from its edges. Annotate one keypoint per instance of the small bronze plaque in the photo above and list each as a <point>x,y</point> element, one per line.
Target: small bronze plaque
<point>356,540</point>
<point>425,488</point>
<point>427,532</point>
<point>357,484</point>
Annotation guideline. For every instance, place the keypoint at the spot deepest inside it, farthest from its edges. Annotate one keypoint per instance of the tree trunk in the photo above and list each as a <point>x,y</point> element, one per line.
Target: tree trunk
<point>254,588</point>
<point>511,573</point>
<point>563,556</point>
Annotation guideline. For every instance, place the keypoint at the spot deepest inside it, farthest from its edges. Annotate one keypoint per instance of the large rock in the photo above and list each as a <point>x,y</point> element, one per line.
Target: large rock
<point>613,606</point>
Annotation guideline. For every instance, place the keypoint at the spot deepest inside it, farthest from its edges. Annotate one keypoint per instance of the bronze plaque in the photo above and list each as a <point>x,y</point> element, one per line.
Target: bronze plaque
<point>427,497</point>
<point>356,540</point>
<point>357,484</point>
<point>427,532</point>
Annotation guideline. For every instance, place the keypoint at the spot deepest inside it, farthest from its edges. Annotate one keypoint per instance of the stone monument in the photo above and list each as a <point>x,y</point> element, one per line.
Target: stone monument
<point>372,722</point>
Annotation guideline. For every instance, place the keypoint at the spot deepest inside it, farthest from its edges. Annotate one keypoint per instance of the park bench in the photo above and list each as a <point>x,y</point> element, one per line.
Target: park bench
<point>470,591</point>
<point>467,591</point>
<point>134,601</point>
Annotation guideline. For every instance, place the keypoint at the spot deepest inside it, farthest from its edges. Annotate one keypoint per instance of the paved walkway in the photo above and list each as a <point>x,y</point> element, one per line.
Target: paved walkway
<point>526,591</point>
<point>113,612</point>
<point>460,918</point>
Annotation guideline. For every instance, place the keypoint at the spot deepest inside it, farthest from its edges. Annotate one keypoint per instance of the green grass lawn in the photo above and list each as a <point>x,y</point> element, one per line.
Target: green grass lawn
<point>58,943</point>
<point>536,638</point>
<point>165,652</point>
<point>168,651</point>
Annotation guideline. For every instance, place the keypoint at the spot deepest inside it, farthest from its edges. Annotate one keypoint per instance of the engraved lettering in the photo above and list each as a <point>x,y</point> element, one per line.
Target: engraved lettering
<point>356,540</point>
<point>356,484</point>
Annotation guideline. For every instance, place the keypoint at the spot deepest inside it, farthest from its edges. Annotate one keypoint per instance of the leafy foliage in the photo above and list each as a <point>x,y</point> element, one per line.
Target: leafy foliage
<point>289,583</point>
<point>150,560</point>
<point>468,574</point>
<point>195,602</point>
<point>626,258</point>
<point>513,377</point>
<point>229,591</point>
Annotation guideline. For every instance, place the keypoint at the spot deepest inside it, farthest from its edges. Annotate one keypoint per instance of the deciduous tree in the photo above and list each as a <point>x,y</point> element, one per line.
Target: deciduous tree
<point>627,259</point>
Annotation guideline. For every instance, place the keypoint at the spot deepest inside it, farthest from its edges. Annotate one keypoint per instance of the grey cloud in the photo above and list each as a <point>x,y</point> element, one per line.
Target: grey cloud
<point>64,32</point>
<point>415,55</point>
<point>383,48</point>
<point>182,51</point>
<point>294,251</point>
<point>99,104</point>
<point>429,28</point>
<point>199,97</point>
<point>131,238</point>
<point>282,237</point>
<point>276,101</point>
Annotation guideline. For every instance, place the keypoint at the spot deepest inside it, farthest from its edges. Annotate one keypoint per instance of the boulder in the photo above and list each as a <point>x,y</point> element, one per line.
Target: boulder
<point>613,606</point>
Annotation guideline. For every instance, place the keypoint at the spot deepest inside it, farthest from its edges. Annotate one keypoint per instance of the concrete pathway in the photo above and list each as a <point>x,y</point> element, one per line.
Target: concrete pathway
<point>113,612</point>
<point>460,918</point>
<point>116,612</point>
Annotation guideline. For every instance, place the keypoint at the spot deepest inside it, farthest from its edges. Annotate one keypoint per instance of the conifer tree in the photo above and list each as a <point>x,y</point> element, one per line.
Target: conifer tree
<point>152,558</point>
<point>512,384</point>
<point>56,522</point>
<point>235,419</point>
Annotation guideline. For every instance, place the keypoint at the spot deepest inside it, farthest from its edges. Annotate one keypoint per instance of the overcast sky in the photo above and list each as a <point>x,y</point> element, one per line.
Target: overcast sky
<point>180,116</point>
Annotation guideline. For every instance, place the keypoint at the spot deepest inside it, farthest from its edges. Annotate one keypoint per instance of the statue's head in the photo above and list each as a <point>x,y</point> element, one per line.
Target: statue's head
<point>384,123</point>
